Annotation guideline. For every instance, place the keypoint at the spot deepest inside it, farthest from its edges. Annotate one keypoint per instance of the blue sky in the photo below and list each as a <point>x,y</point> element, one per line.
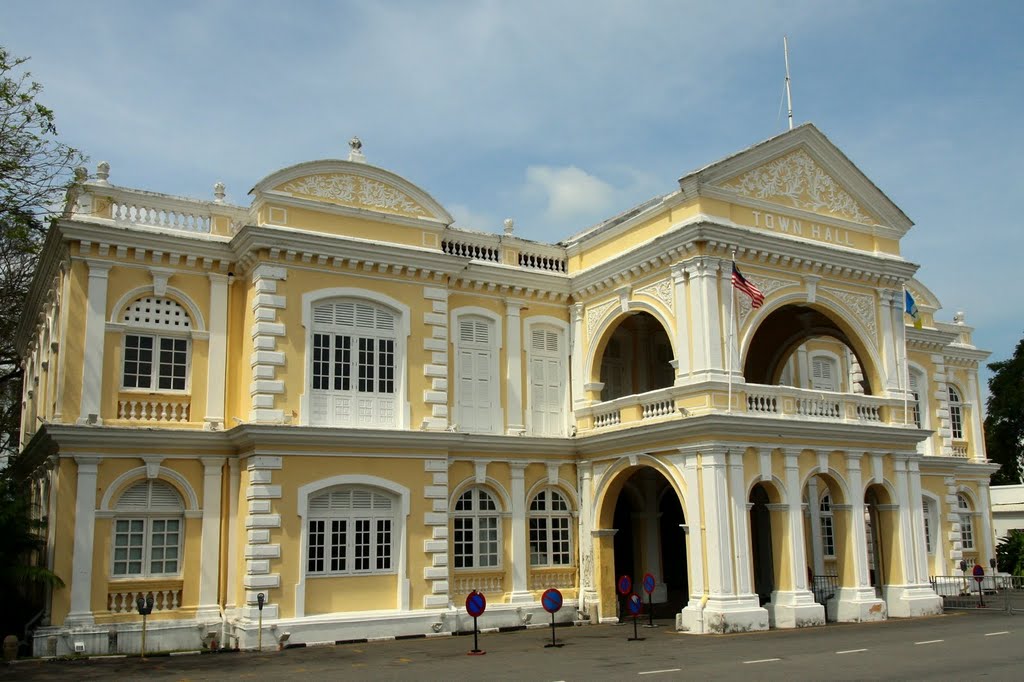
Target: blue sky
<point>561,113</point>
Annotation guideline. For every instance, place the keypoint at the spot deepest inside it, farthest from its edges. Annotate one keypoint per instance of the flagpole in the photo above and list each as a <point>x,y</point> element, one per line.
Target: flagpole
<point>905,379</point>
<point>789,95</point>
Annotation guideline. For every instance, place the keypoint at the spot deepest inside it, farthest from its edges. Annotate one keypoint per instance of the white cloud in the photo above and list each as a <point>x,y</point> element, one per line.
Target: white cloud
<point>570,194</point>
<point>470,219</point>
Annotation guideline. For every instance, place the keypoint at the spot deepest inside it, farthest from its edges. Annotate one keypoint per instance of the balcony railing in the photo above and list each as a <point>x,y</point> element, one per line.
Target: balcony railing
<point>126,206</point>
<point>158,409</point>
<point>543,578</point>
<point>781,402</point>
<point>166,595</point>
<point>505,249</point>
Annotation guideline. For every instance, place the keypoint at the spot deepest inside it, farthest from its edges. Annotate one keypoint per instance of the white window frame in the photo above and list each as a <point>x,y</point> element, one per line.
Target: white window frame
<point>402,408</point>
<point>835,366</point>
<point>157,333</point>
<point>965,509</point>
<point>469,520</point>
<point>956,413</point>
<point>147,518</point>
<point>543,519</point>
<point>828,536</point>
<point>351,518</point>
<point>562,329</point>
<point>495,345</point>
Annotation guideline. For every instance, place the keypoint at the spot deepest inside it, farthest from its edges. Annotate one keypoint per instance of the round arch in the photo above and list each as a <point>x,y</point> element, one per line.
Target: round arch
<point>611,321</point>
<point>170,476</point>
<point>198,322</point>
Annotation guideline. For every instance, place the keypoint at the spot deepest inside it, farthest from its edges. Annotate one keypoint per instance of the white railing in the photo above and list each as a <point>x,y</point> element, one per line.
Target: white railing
<point>818,407</point>
<point>468,249</point>
<point>537,261</point>
<point>869,413</point>
<point>493,248</point>
<point>154,410</point>
<point>157,216</point>
<point>609,418</point>
<point>960,450</point>
<point>765,403</point>
<point>163,599</point>
<point>658,408</point>
<point>542,580</point>
<point>152,209</point>
<point>488,584</point>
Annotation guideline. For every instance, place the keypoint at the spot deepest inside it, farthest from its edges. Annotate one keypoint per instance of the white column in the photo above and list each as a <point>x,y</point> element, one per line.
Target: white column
<point>588,591</point>
<point>82,553</point>
<point>209,562</point>
<point>95,330</point>
<point>577,350</point>
<point>908,538</point>
<point>514,354</point>
<point>920,550</point>
<point>977,435</point>
<point>987,549</point>
<point>814,507</point>
<point>217,355</point>
<point>805,368</point>
<point>798,564</point>
<point>730,330</point>
<point>682,331</point>
<point>857,541</point>
<point>716,523</point>
<point>711,309</point>
<point>520,592</point>
<point>888,340</point>
<point>692,616</point>
<point>234,481</point>
<point>741,547</point>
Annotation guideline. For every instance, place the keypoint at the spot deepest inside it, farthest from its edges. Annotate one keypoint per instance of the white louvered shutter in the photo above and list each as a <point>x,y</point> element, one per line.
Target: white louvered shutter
<point>823,375</point>
<point>476,400</point>
<point>546,383</point>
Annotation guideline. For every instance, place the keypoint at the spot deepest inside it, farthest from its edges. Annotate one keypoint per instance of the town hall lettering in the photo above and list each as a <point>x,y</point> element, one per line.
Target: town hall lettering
<point>781,223</point>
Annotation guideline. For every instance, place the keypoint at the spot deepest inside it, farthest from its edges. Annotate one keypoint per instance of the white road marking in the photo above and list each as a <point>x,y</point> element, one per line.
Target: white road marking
<point>931,641</point>
<point>993,634</point>
<point>655,672</point>
<point>763,660</point>
<point>851,651</point>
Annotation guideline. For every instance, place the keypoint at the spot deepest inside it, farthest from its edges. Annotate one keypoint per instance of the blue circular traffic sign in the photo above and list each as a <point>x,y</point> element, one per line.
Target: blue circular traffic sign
<point>551,600</point>
<point>475,603</point>
<point>648,583</point>
<point>624,585</point>
<point>979,573</point>
<point>635,603</point>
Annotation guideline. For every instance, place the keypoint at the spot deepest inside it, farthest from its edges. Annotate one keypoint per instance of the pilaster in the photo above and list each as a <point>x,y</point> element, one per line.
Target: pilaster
<point>234,481</point>
<point>576,354</point>
<point>514,376</point>
<point>84,542</point>
<point>520,558</point>
<point>209,562</point>
<point>266,358</point>
<point>888,340</point>
<point>95,330</point>
<point>260,524</point>
<point>435,546</point>
<point>915,597</point>
<point>857,602</point>
<point>437,371</point>
<point>217,355</point>
<point>682,328</point>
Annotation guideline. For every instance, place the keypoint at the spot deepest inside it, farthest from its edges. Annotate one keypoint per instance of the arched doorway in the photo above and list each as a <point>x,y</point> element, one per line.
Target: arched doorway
<point>636,358</point>
<point>826,535</point>
<point>803,346</point>
<point>761,543</point>
<point>644,509</point>
<point>880,524</point>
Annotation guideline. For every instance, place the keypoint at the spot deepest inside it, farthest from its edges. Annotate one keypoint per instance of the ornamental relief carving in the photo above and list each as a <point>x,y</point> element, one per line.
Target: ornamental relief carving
<point>767,285</point>
<point>796,180</point>
<point>354,190</point>
<point>661,291</point>
<point>861,305</point>
<point>597,313</point>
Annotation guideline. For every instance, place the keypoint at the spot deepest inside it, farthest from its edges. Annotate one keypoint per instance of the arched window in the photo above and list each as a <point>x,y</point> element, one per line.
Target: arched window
<point>476,365</point>
<point>828,540</point>
<point>550,529</point>
<point>147,531</point>
<point>476,530</point>
<point>350,531</point>
<point>956,417</point>
<point>966,521</point>
<point>354,350</point>
<point>156,345</point>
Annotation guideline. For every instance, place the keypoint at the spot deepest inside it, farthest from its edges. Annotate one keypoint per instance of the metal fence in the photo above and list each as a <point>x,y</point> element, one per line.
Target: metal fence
<point>824,588</point>
<point>994,592</point>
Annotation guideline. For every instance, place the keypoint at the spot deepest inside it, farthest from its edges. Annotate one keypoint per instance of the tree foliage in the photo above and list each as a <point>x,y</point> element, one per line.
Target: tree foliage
<point>35,172</point>
<point>1010,553</point>
<point>1004,425</point>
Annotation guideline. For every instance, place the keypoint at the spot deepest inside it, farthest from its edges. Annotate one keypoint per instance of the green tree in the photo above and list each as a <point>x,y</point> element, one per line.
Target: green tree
<point>35,173</point>
<point>1004,425</point>
<point>1010,553</point>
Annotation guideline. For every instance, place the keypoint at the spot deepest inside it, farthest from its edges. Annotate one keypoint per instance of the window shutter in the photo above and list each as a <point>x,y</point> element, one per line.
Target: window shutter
<point>150,495</point>
<point>156,313</point>
<point>135,498</point>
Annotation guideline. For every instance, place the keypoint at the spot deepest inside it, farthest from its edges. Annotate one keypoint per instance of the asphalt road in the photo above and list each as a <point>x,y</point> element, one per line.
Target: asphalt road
<point>950,647</point>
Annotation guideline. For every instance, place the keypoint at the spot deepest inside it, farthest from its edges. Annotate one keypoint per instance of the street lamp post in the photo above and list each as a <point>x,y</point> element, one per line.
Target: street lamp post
<point>145,607</point>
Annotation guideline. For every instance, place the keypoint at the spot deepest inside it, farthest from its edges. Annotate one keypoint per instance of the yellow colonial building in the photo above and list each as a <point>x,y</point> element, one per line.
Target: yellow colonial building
<point>334,398</point>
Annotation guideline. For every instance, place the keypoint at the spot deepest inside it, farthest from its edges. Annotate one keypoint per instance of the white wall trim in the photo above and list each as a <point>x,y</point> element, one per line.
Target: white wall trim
<point>401,568</point>
<point>504,498</point>
<point>562,485</point>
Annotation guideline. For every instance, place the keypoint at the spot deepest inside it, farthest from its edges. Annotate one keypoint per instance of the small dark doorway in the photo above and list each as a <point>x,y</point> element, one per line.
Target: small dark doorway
<point>761,544</point>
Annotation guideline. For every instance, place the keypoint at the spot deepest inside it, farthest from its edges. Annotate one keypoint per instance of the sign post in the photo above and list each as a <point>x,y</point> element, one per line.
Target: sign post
<point>979,576</point>
<point>145,607</point>
<point>476,603</point>
<point>648,584</point>
<point>260,599</point>
<point>624,585</point>
<point>551,600</point>
<point>636,605</point>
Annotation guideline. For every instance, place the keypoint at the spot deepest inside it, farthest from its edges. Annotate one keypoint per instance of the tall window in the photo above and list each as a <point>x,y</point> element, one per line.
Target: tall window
<point>915,404</point>
<point>350,531</point>
<point>966,521</point>
<point>156,345</point>
<point>147,531</point>
<point>354,348</point>
<point>476,530</point>
<point>824,373</point>
<point>547,382</point>
<point>550,529</point>
<point>828,539</point>
<point>476,367</point>
<point>929,544</point>
<point>956,416</point>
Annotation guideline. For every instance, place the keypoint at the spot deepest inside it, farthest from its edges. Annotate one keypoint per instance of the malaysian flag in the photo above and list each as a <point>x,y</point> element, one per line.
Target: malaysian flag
<point>743,284</point>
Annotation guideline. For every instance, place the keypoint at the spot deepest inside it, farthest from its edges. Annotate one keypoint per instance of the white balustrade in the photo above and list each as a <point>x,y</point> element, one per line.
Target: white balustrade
<point>542,580</point>
<point>609,418</point>
<point>762,402</point>
<point>818,407</point>
<point>153,410</point>
<point>488,584</point>
<point>869,413</point>
<point>171,218</point>
<point>658,408</point>
<point>468,249</point>
<point>539,262</point>
<point>163,599</point>
<point>960,450</point>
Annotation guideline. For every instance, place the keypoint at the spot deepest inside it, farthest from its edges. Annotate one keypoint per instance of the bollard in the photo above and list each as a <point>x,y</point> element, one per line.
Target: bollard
<point>10,647</point>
